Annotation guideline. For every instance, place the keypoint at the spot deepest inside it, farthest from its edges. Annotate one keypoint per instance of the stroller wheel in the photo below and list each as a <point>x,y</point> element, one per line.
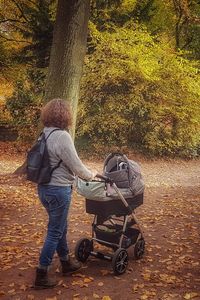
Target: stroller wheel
<point>139,249</point>
<point>120,261</point>
<point>83,248</point>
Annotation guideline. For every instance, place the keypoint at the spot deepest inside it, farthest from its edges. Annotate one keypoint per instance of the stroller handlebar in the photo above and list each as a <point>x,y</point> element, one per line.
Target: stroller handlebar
<point>105,178</point>
<point>108,180</point>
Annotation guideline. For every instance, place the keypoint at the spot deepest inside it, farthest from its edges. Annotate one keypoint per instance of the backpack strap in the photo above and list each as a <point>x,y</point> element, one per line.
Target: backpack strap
<point>51,133</point>
<point>58,165</point>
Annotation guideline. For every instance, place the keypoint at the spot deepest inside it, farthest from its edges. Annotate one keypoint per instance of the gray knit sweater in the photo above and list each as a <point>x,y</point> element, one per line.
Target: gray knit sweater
<point>61,147</point>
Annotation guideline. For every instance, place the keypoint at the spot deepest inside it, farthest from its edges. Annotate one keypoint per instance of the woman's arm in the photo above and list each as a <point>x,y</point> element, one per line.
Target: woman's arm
<point>67,152</point>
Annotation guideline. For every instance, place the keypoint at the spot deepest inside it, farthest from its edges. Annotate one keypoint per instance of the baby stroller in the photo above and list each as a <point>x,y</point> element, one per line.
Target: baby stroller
<point>112,200</point>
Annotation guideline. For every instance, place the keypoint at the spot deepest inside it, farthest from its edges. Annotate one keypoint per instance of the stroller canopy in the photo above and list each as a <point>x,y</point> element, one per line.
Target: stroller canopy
<point>124,172</point>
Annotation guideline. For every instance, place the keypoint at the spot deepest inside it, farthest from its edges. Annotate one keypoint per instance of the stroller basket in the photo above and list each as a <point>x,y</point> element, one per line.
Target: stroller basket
<point>112,234</point>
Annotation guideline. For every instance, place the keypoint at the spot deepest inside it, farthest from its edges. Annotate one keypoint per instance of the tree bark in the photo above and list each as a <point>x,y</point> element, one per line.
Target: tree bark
<point>67,56</point>
<point>179,14</point>
<point>67,52</point>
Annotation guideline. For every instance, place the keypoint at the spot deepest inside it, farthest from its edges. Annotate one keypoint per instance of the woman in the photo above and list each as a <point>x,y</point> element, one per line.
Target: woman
<point>56,195</point>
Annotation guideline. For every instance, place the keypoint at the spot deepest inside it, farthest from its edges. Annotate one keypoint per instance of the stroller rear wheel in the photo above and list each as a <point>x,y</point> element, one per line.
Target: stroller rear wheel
<point>120,261</point>
<point>83,248</point>
<point>139,249</point>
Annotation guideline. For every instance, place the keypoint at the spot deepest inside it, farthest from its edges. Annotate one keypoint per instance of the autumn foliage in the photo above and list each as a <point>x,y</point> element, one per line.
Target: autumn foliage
<point>140,86</point>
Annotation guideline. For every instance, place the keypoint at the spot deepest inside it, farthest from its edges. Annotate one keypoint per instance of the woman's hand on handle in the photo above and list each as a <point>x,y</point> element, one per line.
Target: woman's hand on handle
<point>94,173</point>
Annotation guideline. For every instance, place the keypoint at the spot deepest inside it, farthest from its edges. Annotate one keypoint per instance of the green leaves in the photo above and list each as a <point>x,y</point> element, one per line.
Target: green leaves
<point>142,93</point>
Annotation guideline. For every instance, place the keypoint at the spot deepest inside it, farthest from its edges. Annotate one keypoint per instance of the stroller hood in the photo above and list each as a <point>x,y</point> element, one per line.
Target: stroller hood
<point>124,172</point>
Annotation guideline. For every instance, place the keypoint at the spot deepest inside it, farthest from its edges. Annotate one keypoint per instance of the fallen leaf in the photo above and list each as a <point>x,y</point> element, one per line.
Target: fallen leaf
<point>100,284</point>
<point>11,291</point>
<point>189,296</point>
<point>12,284</point>
<point>23,287</point>
<point>87,280</point>
<point>104,272</point>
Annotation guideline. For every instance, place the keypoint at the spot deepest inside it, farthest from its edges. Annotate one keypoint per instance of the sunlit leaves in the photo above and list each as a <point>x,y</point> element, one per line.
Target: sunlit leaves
<point>136,85</point>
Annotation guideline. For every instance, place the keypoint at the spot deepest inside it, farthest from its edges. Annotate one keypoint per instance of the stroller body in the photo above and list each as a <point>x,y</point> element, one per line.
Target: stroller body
<point>115,224</point>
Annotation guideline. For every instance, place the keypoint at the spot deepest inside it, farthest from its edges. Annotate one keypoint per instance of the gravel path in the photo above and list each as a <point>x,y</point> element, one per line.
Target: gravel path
<point>169,173</point>
<point>169,269</point>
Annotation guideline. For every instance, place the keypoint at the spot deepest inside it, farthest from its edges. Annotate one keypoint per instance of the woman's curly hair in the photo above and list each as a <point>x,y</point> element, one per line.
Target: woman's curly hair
<point>57,113</point>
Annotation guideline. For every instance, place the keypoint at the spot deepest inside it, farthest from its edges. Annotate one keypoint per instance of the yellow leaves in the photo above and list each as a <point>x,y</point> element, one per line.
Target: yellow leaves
<point>95,296</point>
<point>87,280</point>
<point>137,286</point>
<point>12,292</point>
<point>164,278</point>
<point>83,282</point>
<point>23,268</point>
<point>167,278</point>
<point>65,286</point>
<point>11,284</point>
<point>80,283</point>
<point>151,278</point>
<point>148,295</point>
<point>30,297</point>
<point>147,275</point>
<point>189,296</point>
<point>78,275</point>
<point>59,292</point>
<point>104,272</point>
<point>23,287</point>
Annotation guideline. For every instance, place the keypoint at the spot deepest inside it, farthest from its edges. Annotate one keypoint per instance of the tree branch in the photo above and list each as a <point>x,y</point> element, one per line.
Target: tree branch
<point>32,2</point>
<point>12,20</point>
<point>20,9</point>
<point>13,40</point>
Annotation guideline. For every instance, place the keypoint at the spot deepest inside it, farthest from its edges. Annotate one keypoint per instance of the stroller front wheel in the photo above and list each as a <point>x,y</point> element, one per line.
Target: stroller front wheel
<point>120,261</point>
<point>83,248</point>
<point>139,249</point>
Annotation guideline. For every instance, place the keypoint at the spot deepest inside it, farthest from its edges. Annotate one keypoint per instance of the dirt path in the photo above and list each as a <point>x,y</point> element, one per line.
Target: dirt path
<point>169,270</point>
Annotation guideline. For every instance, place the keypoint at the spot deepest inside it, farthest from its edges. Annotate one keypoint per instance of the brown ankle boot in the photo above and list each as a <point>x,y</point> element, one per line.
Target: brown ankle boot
<point>42,281</point>
<point>69,266</point>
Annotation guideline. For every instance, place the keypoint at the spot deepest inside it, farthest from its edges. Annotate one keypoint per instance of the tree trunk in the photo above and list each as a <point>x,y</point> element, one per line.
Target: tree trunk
<point>67,55</point>
<point>67,52</point>
<point>179,14</point>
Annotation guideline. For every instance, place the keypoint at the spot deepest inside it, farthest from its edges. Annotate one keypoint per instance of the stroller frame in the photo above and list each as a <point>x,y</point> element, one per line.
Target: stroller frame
<point>127,232</point>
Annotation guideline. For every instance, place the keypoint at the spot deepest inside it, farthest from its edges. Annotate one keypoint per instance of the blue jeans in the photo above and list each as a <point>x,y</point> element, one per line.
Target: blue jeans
<point>56,200</point>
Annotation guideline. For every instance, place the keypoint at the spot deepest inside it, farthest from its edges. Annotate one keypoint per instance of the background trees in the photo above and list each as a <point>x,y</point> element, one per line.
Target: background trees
<point>141,77</point>
<point>138,92</point>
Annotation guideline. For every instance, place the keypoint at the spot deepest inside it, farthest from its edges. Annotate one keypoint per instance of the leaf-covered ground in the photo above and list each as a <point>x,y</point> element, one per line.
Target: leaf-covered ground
<point>170,269</point>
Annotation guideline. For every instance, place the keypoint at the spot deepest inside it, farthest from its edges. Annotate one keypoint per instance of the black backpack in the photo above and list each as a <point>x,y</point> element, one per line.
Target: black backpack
<point>38,168</point>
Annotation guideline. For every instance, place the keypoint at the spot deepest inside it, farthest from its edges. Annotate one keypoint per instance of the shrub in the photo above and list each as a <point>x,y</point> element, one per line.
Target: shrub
<point>141,93</point>
<point>24,104</point>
